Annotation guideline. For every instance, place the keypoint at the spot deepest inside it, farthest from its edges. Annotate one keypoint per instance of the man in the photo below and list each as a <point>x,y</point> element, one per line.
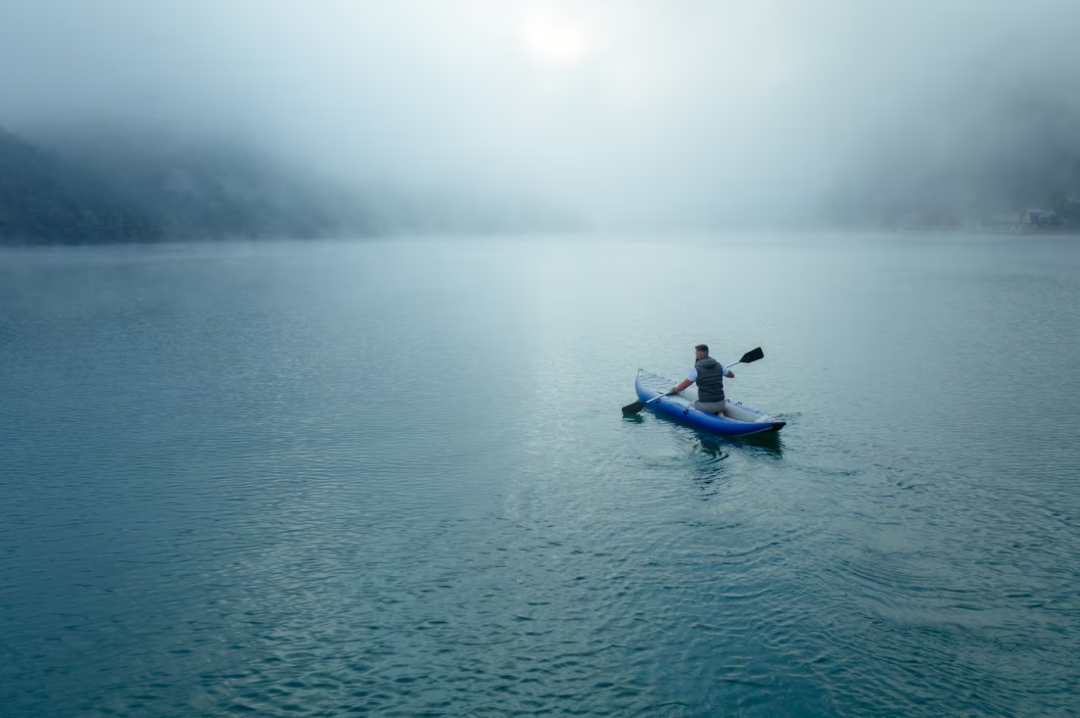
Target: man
<point>709,375</point>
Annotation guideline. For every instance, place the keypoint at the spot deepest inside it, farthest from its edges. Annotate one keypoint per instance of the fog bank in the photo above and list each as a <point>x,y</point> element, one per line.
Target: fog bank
<point>628,114</point>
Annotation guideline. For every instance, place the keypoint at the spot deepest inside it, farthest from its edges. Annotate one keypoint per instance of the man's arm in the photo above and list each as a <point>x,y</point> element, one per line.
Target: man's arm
<point>730,374</point>
<point>680,387</point>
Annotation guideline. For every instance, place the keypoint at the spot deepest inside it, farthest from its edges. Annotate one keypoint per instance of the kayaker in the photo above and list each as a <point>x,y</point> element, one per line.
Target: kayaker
<point>709,375</point>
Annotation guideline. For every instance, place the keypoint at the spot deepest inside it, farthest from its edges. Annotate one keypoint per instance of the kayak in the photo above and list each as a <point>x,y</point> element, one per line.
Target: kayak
<point>738,420</point>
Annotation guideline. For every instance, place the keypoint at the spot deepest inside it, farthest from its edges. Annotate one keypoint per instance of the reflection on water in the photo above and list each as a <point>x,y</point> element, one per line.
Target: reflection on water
<point>771,444</point>
<point>393,478</point>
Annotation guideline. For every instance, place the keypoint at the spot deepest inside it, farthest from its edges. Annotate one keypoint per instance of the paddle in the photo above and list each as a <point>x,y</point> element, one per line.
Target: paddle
<point>630,409</point>
<point>749,357</point>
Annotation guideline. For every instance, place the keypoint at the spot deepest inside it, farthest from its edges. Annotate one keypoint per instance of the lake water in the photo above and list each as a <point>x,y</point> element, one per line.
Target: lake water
<point>392,478</point>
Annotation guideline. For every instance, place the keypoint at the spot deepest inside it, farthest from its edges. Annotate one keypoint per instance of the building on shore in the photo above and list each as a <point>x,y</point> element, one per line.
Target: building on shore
<point>1039,220</point>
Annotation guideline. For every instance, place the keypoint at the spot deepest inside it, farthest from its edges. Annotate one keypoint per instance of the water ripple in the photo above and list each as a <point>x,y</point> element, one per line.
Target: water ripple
<point>230,484</point>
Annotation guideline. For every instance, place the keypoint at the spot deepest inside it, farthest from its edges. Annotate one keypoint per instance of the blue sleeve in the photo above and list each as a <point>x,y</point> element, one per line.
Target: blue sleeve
<point>692,376</point>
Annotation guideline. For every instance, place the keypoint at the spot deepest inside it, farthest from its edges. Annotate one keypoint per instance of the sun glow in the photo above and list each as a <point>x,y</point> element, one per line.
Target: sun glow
<point>555,39</point>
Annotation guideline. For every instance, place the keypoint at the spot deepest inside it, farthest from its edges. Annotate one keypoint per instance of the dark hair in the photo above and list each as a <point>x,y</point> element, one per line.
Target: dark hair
<point>702,348</point>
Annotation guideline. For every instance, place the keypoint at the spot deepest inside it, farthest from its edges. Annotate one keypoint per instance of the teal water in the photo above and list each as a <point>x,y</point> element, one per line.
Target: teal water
<point>392,478</point>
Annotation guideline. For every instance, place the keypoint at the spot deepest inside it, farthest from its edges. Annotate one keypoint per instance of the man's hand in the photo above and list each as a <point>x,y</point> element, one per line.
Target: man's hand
<point>675,390</point>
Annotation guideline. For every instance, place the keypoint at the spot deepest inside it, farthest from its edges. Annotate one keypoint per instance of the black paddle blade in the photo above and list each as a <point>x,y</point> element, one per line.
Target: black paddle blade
<point>631,409</point>
<point>752,355</point>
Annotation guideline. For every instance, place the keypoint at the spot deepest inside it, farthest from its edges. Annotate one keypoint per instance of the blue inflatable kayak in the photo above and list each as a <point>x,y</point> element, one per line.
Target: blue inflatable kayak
<point>738,420</point>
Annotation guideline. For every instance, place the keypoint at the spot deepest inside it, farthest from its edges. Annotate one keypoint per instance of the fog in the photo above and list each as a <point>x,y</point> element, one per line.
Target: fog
<point>629,114</point>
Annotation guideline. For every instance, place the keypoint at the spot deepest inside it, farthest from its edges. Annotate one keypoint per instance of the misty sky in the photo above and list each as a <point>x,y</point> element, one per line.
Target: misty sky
<point>629,112</point>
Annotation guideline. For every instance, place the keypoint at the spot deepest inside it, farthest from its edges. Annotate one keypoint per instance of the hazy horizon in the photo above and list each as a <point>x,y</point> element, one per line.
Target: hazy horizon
<point>627,114</point>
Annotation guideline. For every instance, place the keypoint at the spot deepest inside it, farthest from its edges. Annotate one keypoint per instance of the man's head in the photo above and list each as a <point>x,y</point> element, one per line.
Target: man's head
<point>702,351</point>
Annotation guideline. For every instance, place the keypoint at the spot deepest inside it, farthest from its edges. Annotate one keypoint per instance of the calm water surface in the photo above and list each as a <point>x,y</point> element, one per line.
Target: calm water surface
<point>392,478</point>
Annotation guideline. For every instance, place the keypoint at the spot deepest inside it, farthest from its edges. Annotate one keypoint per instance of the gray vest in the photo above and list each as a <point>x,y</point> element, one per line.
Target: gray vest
<point>710,380</point>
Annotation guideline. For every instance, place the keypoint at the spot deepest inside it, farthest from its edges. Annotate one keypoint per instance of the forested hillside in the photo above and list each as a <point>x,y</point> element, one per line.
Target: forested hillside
<point>97,186</point>
<point>44,200</point>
